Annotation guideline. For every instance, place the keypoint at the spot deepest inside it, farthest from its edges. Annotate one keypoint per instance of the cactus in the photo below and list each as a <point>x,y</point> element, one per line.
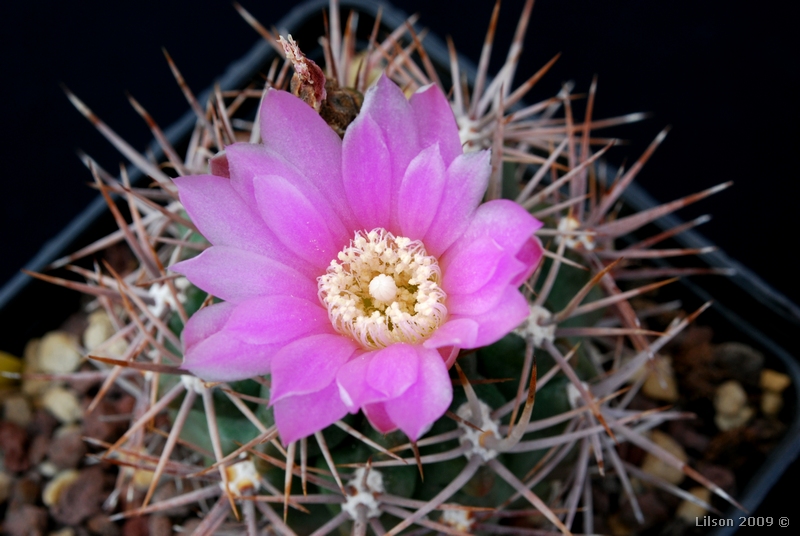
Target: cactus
<point>534,416</point>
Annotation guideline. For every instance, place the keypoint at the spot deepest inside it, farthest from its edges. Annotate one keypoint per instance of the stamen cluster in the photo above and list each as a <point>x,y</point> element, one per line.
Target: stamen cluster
<point>383,289</point>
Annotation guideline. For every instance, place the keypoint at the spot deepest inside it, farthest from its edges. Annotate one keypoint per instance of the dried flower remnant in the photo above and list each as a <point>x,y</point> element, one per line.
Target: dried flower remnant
<point>353,270</point>
<point>308,81</point>
<point>337,105</point>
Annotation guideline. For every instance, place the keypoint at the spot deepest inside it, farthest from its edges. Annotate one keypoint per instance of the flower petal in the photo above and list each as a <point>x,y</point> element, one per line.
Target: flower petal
<point>393,369</point>
<point>378,418</point>
<point>461,332</point>
<point>298,224</point>
<point>511,225</point>
<point>367,173</point>
<point>226,220</point>
<point>308,365</point>
<point>392,124</point>
<point>235,275</point>
<point>218,165</point>
<point>496,323</point>
<point>487,297</point>
<point>466,182</point>
<point>473,266</point>
<point>421,404</point>
<point>277,319</point>
<point>248,161</point>
<point>353,386</point>
<point>506,222</point>
<point>529,254</point>
<point>302,415</point>
<point>224,357</point>
<point>388,107</point>
<point>436,122</point>
<point>420,192</point>
<point>469,260</point>
<point>205,323</point>
<point>292,129</point>
<point>449,354</point>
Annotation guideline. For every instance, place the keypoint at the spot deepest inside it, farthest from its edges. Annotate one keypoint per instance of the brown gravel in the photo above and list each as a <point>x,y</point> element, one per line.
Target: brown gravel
<point>83,498</point>
<point>160,526</point>
<point>26,490</point>
<point>13,445</point>
<point>67,451</point>
<point>26,520</point>
<point>101,525</point>
<point>136,526</point>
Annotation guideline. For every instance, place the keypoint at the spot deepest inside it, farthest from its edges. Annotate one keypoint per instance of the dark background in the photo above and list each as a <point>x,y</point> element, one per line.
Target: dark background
<point>722,75</point>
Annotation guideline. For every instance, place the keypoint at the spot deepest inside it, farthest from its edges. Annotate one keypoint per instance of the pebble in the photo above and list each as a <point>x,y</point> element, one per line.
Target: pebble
<point>62,404</point>
<point>100,524</point>
<point>66,531</point>
<point>160,526</point>
<point>53,490</point>
<point>5,486</point>
<point>99,330</point>
<point>43,423</point>
<point>135,526</point>
<point>13,444</point>
<point>740,361</point>
<point>773,383</point>
<point>142,479</point>
<point>617,527</point>
<point>772,380</point>
<point>25,520</point>
<point>653,465</point>
<point>30,365</point>
<point>37,449</point>
<point>654,510</point>
<point>190,525</point>
<point>661,383</point>
<point>58,353</point>
<point>730,403</point>
<point>168,490</point>
<point>96,424</point>
<point>771,403</point>
<point>730,422</point>
<point>82,498</point>
<point>26,490</point>
<point>48,469</point>
<point>17,410</point>
<point>67,448</point>
<point>730,398</point>
<point>9,363</point>
<point>689,511</point>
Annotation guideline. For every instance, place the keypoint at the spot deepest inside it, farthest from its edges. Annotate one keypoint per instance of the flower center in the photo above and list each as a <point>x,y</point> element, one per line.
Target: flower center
<point>383,289</point>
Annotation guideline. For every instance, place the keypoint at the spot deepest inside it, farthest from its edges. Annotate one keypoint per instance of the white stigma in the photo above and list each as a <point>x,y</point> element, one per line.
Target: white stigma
<point>383,289</point>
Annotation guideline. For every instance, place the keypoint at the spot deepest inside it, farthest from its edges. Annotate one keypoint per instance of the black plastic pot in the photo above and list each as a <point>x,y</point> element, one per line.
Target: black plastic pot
<point>745,308</point>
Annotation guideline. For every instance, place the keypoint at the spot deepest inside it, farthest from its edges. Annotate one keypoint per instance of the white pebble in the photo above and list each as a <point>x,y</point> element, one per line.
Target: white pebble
<point>63,404</point>
<point>730,398</point>
<point>18,410</point>
<point>54,488</point>
<point>690,511</point>
<point>653,465</point>
<point>58,353</point>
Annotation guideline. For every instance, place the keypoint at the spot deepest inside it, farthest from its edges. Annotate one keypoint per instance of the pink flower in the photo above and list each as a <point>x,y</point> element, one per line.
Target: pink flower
<point>353,270</point>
